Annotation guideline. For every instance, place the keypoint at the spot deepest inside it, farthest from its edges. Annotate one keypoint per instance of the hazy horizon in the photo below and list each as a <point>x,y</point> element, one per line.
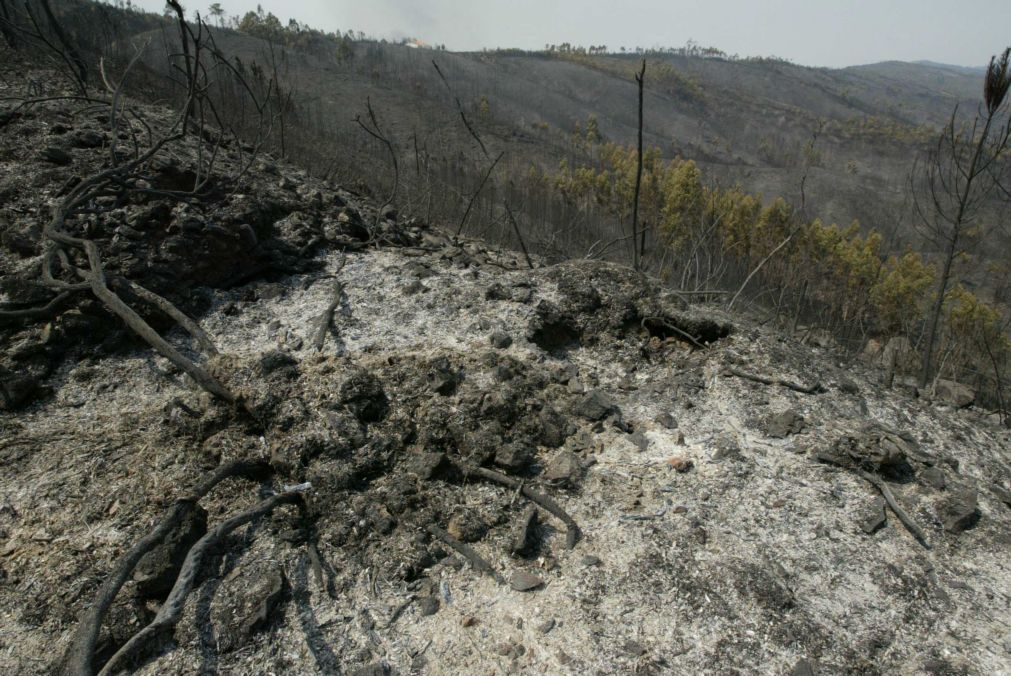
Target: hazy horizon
<point>832,34</point>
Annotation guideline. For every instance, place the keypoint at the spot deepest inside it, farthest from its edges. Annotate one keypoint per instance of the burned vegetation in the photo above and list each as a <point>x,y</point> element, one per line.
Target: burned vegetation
<point>255,421</point>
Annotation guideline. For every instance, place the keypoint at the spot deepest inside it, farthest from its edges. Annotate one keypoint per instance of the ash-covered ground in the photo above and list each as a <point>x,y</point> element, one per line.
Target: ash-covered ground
<point>725,525</point>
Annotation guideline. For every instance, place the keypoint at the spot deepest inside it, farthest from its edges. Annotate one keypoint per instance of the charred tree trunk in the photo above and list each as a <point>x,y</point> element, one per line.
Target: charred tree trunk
<point>638,251</point>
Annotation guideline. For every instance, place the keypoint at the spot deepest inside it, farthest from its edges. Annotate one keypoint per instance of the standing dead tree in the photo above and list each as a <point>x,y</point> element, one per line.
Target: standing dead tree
<point>473,197</point>
<point>67,46</point>
<point>38,27</point>
<point>376,132</point>
<point>966,169</point>
<point>470,129</point>
<point>519,236</point>
<point>637,252</point>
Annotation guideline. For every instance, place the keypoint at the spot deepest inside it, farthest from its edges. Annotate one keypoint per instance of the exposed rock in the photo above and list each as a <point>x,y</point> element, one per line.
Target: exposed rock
<point>515,456</point>
<point>442,378</point>
<point>18,391</point>
<point>501,340</point>
<point>257,605</point>
<point>680,464</point>
<point>22,241</point>
<point>781,425</point>
<point>898,350</point>
<point>373,669</point>
<point>497,291</point>
<point>564,467</point>
<point>552,330</point>
<point>479,446</point>
<point>278,360</point>
<point>412,287</point>
<point>727,449</point>
<point>87,138</point>
<point>667,421</point>
<point>804,667</point>
<point>523,581</point>
<point>595,405</point>
<point>1003,494</point>
<point>523,534</point>
<point>875,518</point>
<point>639,440</point>
<point>874,450</point>
<point>552,428</point>
<point>426,465</point>
<point>428,605</point>
<point>959,511</point>
<point>954,394</point>
<point>934,477</point>
<point>363,394</point>
<point>511,649</point>
<point>56,155</point>
<point>521,293</point>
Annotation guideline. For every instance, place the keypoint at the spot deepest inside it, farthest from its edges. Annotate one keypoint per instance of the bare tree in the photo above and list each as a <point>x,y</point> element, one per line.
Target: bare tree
<point>965,170</point>
<point>637,251</point>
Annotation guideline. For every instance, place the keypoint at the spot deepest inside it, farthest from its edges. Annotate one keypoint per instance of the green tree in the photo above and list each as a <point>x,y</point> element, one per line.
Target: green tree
<point>593,130</point>
<point>901,292</point>
<point>218,13</point>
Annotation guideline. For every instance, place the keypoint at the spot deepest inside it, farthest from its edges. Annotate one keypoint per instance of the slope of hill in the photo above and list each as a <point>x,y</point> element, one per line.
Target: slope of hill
<point>853,133</point>
<point>442,457</point>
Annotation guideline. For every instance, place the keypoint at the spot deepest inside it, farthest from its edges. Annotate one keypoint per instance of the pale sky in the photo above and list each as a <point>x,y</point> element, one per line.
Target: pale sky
<point>810,32</point>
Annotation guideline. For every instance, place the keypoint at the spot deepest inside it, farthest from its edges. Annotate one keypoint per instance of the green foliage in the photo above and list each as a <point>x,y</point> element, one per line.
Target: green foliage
<point>593,130</point>
<point>967,316</point>
<point>266,26</point>
<point>877,129</point>
<point>665,77</point>
<point>976,338</point>
<point>842,270</point>
<point>684,203</point>
<point>901,293</point>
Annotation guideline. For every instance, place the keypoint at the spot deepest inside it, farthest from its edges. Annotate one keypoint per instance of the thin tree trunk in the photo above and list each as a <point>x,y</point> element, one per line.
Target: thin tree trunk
<point>637,252</point>
<point>935,312</point>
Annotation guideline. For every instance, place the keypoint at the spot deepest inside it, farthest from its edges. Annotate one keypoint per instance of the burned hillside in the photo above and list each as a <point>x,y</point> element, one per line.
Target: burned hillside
<point>418,453</point>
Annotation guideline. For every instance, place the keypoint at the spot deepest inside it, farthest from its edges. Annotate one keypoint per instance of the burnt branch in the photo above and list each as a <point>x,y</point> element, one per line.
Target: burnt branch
<point>376,132</point>
<point>516,229</point>
<point>79,657</point>
<point>470,204</point>
<point>468,552</point>
<point>170,612</point>
<point>14,315</point>
<point>572,533</point>
<point>817,388</point>
<point>889,497</point>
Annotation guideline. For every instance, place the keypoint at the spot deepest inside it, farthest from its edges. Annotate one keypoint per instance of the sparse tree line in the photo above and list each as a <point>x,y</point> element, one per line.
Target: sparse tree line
<point>813,276</point>
<point>823,276</point>
<point>690,50</point>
